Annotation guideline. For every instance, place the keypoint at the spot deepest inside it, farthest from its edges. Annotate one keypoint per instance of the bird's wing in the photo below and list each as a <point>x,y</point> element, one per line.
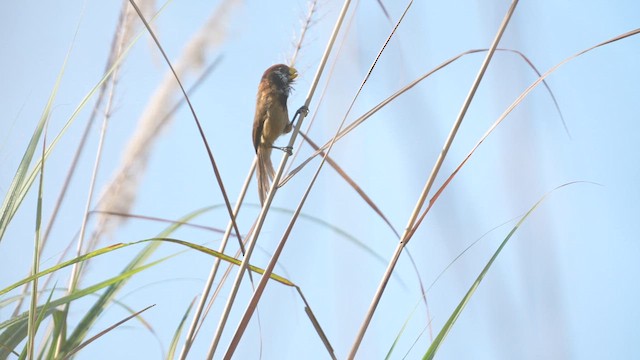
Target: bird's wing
<point>258,122</point>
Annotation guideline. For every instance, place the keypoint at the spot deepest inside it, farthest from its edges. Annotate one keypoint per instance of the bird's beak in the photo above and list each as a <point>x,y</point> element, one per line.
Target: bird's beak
<point>293,73</point>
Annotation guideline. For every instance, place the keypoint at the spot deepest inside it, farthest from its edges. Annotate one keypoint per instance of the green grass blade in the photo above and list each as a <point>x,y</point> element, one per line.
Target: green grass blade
<point>83,327</point>
<point>176,336</point>
<point>33,316</point>
<point>437,342</point>
<point>59,330</point>
<point>108,296</point>
<point>15,334</point>
<point>404,326</point>
<point>354,240</point>
<point>37,321</point>
<point>105,250</point>
<point>103,332</point>
<point>11,338</point>
<point>13,199</point>
<point>62,265</point>
<point>221,256</point>
<point>21,182</point>
<point>114,247</point>
<point>82,293</point>
<point>16,328</point>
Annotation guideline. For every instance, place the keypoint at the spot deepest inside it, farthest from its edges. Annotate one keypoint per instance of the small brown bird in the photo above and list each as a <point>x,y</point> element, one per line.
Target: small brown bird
<point>271,120</point>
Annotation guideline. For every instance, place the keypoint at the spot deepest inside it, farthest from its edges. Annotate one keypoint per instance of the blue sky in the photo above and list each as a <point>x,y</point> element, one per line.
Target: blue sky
<point>564,287</point>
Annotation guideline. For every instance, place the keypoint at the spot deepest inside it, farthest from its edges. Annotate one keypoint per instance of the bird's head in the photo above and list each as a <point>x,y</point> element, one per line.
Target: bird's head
<point>280,77</point>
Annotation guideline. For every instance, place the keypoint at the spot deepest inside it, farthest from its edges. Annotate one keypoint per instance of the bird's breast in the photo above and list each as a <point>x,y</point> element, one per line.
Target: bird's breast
<point>276,120</point>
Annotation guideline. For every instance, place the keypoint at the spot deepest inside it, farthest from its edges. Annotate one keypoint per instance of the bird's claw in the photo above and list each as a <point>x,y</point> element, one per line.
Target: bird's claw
<point>287,149</point>
<point>303,110</point>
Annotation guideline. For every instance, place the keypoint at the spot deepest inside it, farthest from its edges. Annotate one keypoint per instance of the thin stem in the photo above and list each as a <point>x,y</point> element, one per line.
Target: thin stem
<point>305,27</point>
<point>212,160</point>
<point>76,156</point>
<point>77,268</point>
<point>430,180</point>
<point>32,325</point>
<point>274,186</point>
<point>326,87</point>
<point>253,303</point>
<point>214,269</point>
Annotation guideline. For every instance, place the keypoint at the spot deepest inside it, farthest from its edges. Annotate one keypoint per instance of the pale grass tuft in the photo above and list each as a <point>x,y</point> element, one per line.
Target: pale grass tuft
<point>131,22</point>
<point>120,194</point>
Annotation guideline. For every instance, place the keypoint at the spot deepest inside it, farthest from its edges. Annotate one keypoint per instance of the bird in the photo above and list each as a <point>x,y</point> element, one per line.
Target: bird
<point>271,120</point>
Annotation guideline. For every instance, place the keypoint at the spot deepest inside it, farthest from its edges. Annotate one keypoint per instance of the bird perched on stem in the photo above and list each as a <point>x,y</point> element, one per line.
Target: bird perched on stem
<point>271,120</point>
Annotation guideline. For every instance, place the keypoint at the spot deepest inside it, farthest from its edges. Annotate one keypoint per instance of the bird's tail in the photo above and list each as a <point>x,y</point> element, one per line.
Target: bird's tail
<point>264,171</point>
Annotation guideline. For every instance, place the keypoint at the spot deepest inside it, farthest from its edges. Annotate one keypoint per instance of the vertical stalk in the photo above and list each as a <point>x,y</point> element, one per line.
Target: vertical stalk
<point>274,186</point>
<point>425,192</point>
<point>214,269</point>
<point>77,267</point>
<point>257,294</point>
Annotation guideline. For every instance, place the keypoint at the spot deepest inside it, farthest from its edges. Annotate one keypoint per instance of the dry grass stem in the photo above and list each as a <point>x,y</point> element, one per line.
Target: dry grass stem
<point>272,191</point>
<point>511,107</point>
<point>253,303</point>
<point>115,45</point>
<point>328,77</point>
<point>76,271</point>
<point>429,183</point>
<point>119,195</point>
<point>305,26</point>
<point>398,93</point>
<point>200,312</point>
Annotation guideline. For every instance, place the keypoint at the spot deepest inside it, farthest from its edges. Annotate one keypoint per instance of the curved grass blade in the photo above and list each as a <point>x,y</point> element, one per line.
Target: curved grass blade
<point>465,300</point>
<point>212,160</point>
<point>181,222</point>
<point>59,330</point>
<point>21,182</point>
<point>511,107</point>
<point>404,326</point>
<point>316,324</point>
<point>12,200</point>
<point>15,329</point>
<point>11,339</point>
<point>34,322</point>
<point>404,89</point>
<point>62,265</point>
<point>81,293</point>
<point>108,296</point>
<point>100,334</point>
<point>354,240</point>
<point>114,247</point>
<point>221,256</point>
<point>176,336</point>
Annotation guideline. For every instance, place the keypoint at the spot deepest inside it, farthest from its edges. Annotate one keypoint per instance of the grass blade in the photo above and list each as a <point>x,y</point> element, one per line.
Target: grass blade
<point>21,182</point>
<point>511,107</point>
<point>33,321</point>
<point>195,118</point>
<point>176,336</point>
<point>100,334</point>
<point>105,299</point>
<point>465,300</point>
<point>427,187</point>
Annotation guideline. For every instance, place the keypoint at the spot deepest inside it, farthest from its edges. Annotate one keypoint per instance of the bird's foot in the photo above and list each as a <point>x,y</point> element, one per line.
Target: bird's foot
<point>287,149</point>
<point>303,110</point>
